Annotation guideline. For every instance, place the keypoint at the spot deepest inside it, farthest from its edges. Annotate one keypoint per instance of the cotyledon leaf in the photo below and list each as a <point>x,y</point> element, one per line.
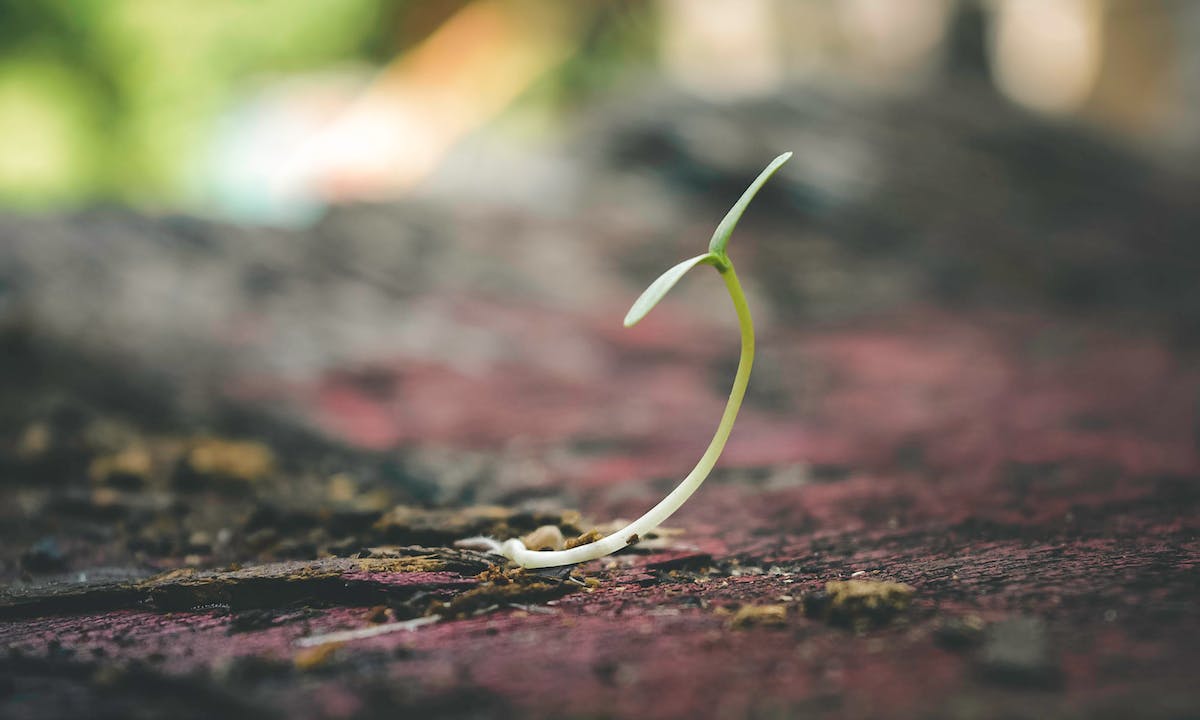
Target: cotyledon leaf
<point>720,238</point>
<point>659,288</point>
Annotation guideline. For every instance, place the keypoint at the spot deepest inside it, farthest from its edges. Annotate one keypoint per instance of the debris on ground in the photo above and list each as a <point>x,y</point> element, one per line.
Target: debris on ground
<point>858,604</point>
<point>759,616</point>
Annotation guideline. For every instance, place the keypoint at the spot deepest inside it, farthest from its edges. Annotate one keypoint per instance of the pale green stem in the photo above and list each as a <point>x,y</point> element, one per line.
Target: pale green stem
<point>516,551</point>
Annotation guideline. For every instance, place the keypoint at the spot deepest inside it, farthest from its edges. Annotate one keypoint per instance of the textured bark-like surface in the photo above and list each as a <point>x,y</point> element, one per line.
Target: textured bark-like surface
<point>930,507</point>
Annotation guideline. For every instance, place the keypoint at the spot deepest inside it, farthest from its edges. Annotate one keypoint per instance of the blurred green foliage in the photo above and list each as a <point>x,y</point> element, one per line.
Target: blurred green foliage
<point>115,99</point>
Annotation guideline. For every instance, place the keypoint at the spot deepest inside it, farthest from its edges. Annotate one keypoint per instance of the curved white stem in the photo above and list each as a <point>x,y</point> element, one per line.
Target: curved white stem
<point>516,551</point>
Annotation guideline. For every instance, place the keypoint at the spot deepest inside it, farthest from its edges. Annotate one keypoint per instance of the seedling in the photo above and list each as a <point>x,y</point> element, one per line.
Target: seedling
<point>716,256</point>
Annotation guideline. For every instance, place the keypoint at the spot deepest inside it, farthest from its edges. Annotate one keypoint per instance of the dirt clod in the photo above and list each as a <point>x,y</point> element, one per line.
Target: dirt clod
<point>546,537</point>
<point>314,658</point>
<point>129,469</point>
<point>590,536</point>
<point>960,633</point>
<point>858,604</point>
<point>759,616</point>
<point>502,587</point>
<point>230,460</point>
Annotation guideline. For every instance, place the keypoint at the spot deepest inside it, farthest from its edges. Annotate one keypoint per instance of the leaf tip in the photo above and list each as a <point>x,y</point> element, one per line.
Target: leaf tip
<point>650,297</point>
<point>720,238</point>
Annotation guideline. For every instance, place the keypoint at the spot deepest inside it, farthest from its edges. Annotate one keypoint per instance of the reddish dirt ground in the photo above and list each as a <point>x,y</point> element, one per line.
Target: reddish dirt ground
<point>1034,485</point>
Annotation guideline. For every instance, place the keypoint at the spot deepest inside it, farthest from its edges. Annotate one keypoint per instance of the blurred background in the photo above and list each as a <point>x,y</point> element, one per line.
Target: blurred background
<point>263,111</point>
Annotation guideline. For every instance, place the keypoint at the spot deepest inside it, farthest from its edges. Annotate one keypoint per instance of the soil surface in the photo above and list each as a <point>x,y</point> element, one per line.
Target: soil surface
<point>233,464</point>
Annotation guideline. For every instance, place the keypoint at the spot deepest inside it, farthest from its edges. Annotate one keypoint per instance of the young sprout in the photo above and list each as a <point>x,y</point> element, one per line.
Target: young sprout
<point>716,256</point>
